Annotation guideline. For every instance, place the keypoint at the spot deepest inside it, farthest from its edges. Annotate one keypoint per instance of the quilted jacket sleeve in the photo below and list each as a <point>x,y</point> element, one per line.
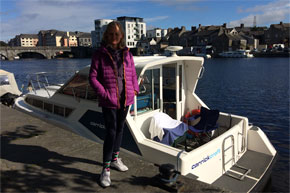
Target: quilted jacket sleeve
<point>93,76</point>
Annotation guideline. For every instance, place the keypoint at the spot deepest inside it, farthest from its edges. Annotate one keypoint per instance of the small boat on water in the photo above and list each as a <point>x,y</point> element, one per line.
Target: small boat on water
<point>162,124</point>
<point>236,54</point>
<point>206,56</point>
<point>8,88</point>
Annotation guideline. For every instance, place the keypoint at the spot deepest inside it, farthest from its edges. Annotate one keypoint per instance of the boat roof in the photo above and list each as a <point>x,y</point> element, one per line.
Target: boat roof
<point>144,62</point>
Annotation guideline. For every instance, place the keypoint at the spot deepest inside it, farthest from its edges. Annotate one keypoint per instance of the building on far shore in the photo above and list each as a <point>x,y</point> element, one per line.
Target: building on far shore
<point>24,40</point>
<point>278,34</point>
<point>84,39</point>
<point>134,29</point>
<point>97,34</point>
<point>52,37</point>
<point>156,33</point>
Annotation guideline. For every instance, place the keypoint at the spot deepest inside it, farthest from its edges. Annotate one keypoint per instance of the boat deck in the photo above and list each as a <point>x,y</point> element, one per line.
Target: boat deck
<point>255,161</point>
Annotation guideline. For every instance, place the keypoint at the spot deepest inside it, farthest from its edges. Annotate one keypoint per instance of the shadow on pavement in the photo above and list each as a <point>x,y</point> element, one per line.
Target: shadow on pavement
<point>40,170</point>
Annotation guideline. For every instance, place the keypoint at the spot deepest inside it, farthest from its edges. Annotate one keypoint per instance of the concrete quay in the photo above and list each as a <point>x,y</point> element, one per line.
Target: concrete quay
<point>39,157</point>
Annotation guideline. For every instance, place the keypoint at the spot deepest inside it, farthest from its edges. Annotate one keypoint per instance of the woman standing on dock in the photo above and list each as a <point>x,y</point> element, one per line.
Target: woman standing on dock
<point>113,77</point>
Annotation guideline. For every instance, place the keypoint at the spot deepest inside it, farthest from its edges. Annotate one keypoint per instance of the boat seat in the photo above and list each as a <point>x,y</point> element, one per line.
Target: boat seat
<point>202,131</point>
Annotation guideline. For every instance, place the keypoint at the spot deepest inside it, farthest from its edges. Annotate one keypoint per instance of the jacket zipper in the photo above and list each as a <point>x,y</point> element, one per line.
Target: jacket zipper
<point>116,76</point>
<point>125,77</point>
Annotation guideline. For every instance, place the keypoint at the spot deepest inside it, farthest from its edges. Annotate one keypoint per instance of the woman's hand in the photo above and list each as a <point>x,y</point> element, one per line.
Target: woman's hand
<point>136,93</point>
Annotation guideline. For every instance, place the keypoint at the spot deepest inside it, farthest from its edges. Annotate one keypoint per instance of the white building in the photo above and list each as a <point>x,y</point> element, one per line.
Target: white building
<point>156,33</point>
<point>97,34</point>
<point>134,28</point>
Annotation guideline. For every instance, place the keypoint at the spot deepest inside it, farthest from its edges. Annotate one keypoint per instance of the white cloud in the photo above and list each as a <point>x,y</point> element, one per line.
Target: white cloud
<point>154,19</point>
<point>273,12</point>
<point>66,15</point>
<point>184,5</point>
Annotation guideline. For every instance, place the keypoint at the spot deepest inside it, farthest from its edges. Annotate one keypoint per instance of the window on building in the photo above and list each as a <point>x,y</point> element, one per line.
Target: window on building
<point>97,22</point>
<point>128,37</point>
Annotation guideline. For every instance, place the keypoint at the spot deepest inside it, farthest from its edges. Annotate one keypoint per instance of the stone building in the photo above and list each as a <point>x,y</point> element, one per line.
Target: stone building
<point>84,39</point>
<point>24,40</point>
<point>228,42</point>
<point>53,38</point>
<point>278,34</point>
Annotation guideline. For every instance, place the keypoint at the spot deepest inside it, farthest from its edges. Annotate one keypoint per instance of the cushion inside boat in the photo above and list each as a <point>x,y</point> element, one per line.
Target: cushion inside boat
<point>164,129</point>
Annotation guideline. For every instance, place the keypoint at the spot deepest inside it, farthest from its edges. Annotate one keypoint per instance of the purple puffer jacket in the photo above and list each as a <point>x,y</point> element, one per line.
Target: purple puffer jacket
<point>103,78</point>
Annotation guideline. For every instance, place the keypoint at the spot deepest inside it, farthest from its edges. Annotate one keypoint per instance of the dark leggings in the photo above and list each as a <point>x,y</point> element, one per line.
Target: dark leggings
<point>114,123</point>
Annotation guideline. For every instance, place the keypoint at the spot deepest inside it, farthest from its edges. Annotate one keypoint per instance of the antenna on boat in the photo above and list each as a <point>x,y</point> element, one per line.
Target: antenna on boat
<point>174,49</point>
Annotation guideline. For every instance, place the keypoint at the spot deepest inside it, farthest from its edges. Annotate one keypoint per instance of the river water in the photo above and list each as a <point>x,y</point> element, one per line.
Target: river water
<point>257,88</point>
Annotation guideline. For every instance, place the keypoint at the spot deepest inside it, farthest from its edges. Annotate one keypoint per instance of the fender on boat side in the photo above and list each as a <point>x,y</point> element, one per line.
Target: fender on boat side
<point>258,141</point>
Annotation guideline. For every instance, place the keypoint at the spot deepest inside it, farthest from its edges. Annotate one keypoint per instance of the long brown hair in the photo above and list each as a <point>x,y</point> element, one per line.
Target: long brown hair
<point>121,44</point>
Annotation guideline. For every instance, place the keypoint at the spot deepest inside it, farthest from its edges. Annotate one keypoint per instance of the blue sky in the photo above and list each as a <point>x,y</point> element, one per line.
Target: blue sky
<point>30,16</point>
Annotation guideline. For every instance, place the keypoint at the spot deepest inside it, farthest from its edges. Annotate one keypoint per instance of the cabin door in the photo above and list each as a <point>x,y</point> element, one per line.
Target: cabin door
<point>172,90</point>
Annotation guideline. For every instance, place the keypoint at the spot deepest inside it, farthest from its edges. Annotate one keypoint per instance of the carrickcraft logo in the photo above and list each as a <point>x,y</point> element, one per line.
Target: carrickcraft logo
<point>97,125</point>
<point>205,159</point>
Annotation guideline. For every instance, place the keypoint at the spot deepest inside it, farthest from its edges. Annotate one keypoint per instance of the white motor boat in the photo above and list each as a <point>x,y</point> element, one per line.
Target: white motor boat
<point>8,88</point>
<point>8,83</point>
<point>237,54</point>
<point>235,155</point>
<point>206,56</point>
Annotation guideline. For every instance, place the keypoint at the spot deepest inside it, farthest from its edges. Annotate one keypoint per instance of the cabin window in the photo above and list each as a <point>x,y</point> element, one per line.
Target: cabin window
<point>37,103</point>
<point>149,95</point>
<point>79,87</point>
<point>169,90</point>
<point>58,110</point>
<point>51,108</point>
<point>67,111</point>
<point>48,107</point>
<point>4,80</point>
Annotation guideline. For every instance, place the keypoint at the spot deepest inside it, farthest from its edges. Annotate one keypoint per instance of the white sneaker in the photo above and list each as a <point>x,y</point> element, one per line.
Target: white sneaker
<point>105,178</point>
<point>119,165</point>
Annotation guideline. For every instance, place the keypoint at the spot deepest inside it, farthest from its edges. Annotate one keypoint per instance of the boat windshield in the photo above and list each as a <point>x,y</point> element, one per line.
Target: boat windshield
<point>79,87</point>
<point>4,80</point>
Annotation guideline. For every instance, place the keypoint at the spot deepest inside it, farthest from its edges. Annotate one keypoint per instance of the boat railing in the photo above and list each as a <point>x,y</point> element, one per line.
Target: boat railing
<point>40,81</point>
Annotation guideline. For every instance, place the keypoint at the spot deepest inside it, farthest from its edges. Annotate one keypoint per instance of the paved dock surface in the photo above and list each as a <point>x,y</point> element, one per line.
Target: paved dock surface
<point>39,157</point>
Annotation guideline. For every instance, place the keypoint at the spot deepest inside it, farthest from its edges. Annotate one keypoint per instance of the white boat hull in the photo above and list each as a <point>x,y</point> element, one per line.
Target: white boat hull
<point>232,142</point>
